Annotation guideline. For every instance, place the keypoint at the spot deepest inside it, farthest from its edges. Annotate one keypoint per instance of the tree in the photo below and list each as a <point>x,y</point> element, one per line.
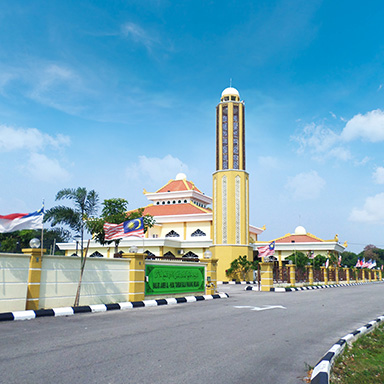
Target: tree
<point>318,261</point>
<point>115,212</point>
<point>349,259</point>
<point>299,259</point>
<point>241,266</point>
<point>85,206</point>
<point>15,241</point>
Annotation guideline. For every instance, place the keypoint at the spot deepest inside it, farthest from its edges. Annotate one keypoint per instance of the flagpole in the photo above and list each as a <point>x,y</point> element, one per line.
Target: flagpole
<point>42,233</point>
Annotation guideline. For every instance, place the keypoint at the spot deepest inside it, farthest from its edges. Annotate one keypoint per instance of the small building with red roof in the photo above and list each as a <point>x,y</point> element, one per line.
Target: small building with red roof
<point>305,242</point>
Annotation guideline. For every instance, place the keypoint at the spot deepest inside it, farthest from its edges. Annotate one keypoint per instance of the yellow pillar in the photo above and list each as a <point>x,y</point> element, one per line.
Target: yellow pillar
<point>310,274</point>
<point>211,276</point>
<point>369,275</point>
<point>375,275</point>
<point>356,274</point>
<point>266,271</point>
<point>347,275</point>
<point>380,275</point>
<point>136,276</point>
<point>292,274</point>
<point>337,275</point>
<point>325,274</point>
<point>280,266</point>
<point>34,277</point>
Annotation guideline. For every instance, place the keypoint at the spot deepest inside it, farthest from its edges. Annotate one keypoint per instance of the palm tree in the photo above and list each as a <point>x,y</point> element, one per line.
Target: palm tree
<point>85,206</point>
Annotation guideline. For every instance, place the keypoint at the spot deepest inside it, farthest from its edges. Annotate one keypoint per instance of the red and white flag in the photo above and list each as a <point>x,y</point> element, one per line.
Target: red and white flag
<point>129,228</point>
<point>267,250</point>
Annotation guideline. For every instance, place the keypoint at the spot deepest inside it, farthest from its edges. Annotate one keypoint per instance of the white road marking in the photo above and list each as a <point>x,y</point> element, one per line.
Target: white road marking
<point>260,308</point>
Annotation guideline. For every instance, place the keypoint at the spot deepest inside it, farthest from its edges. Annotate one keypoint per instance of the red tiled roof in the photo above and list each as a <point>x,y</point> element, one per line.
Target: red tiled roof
<point>174,209</point>
<point>178,185</point>
<point>298,239</point>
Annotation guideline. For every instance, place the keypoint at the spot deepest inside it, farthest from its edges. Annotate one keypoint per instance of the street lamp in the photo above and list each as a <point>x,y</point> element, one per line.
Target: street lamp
<point>133,249</point>
<point>207,254</point>
<point>34,243</point>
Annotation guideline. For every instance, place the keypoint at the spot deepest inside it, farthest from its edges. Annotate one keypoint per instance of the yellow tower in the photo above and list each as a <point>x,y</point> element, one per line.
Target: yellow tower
<point>230,184</point>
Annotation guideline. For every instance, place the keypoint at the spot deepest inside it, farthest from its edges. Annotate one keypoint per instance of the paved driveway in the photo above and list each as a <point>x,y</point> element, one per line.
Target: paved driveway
<point>251,337</point>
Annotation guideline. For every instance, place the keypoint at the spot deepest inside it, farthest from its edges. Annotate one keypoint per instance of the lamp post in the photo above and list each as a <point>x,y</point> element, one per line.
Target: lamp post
<point>76,238</point>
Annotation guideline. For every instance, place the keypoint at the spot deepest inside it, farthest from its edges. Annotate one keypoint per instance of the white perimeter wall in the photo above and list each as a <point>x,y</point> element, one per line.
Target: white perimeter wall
<point>13,281</point>
<point>104,281</point>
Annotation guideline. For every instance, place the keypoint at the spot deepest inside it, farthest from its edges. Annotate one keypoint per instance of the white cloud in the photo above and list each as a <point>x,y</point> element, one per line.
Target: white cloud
<point>372,211</point>
<point>12,139</point>
<point>362,161</point>
<point>378,175</point>
<point>47,169</point>
<point>320,142</point>
<point>155,169</point>
<point>306,185</point>
<point>138,35</point>
<point>369,127</point>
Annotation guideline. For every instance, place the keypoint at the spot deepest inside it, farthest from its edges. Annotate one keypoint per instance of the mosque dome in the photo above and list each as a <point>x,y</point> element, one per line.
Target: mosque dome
<point>230,91</point>
<point>300,230</point>
<point>181,176</point>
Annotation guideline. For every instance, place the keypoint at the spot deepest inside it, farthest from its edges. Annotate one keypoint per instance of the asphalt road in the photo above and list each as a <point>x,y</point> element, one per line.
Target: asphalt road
<point>251,337</point>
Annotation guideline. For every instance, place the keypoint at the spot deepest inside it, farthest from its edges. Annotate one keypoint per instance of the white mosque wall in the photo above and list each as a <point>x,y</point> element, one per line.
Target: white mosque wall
<point>105,280</point>
<point>14,270</point>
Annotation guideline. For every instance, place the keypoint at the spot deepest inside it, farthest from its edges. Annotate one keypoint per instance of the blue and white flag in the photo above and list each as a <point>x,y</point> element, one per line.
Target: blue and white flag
<point>18,221</point>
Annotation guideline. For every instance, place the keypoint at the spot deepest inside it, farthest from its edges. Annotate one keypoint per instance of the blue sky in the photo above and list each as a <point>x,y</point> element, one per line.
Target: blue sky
<point>119,96</point>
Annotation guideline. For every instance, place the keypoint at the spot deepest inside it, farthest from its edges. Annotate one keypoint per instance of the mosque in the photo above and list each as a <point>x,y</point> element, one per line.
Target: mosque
<point>187,227</point>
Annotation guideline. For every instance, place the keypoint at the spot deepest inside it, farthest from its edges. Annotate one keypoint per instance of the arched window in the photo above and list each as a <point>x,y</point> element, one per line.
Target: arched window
<point>96,254</point>
<point>172,234</point>
<point>170,255</point>
<point>149,254</point>
<point>190,255</point>
<point>198,232</point>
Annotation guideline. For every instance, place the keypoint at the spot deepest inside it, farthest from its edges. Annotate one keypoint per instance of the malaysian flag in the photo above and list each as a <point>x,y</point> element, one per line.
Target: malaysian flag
<point>267,250</point>
<point>133,227</point>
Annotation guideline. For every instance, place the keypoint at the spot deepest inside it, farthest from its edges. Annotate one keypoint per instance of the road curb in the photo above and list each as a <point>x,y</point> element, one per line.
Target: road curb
<point>237,282</point>
<point>69,311</point>
<point>310,288</point>
<point>313,287</point>
<point>322,370</point>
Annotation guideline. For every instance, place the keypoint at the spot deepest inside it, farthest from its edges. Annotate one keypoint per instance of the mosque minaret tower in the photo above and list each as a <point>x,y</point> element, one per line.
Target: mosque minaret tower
<point>230,184</point>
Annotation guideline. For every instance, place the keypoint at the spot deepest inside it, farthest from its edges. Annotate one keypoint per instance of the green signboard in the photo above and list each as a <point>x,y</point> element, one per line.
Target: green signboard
<point>170,279</point>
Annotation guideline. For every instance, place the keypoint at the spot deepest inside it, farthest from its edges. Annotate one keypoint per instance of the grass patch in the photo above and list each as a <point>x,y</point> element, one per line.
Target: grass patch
<point>363,362</point>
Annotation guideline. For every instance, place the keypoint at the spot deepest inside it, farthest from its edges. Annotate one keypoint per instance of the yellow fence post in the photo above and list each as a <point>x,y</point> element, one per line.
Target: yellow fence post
<point>337,275</point>
<point>136,276</point>
<point>266,271</point>
<point>380,275</point>
<point>347,275</point>
<point>292,274</point>
<point>310,274</point>
<point>211,283</point>
<point>356,274</point>
<point>325,274</point>
<point>34,277</point>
